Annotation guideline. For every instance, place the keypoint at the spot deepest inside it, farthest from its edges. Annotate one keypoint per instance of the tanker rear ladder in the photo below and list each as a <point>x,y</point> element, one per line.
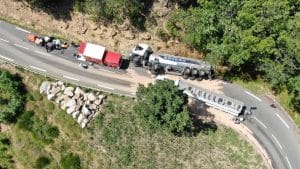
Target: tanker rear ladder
<point>221,102</point>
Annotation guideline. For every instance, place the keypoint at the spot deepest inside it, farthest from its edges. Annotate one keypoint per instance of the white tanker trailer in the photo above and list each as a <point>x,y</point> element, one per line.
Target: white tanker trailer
<point>158,63</point>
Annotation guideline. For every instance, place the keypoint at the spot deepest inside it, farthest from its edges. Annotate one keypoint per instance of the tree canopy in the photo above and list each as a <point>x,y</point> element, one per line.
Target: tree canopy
<point>163,105</point>
<point>253,38</point>
<point>11,97</point>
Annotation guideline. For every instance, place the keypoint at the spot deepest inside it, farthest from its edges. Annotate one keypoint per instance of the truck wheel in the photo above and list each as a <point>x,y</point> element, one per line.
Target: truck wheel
<point>168,68</point>
<point>210,75</point>
<point>136,60</point>
<point>195,74</point>
<point>186,73</point>
<point>201,75</point>
<point>155,69</point>
<point>200,78</point>
<point>192,77</point>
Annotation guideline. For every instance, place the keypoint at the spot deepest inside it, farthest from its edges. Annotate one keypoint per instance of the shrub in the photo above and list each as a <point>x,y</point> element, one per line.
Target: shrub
<point>52,132</point>
<point>5,157</point>
<point>43,131</point>
<point>162,34</point>
<point>26,120</point>
<point>29,97</point>
<point>39,128</point>
<point>50,106</point>
<point>37,96</point>
<point>42,162</point>
<point>70,161</point>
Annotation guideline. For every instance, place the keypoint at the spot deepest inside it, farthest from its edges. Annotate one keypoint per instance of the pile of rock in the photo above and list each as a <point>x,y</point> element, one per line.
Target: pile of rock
<point>82,106</point>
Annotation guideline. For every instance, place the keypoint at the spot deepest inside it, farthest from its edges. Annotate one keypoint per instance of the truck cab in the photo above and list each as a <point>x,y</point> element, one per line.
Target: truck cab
<point>140,54</point>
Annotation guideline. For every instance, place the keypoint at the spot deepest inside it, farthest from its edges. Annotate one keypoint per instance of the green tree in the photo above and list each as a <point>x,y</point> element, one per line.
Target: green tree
<point>253,38</point>
<point>70,161</point>
<point>163,105</point>
<point>11,97</point>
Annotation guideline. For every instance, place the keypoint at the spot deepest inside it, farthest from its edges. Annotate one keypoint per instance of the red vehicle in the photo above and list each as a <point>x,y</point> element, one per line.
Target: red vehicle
<point>99,55</point>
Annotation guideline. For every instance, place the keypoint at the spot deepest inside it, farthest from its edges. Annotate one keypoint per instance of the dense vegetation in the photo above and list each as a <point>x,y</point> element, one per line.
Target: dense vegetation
<point>163,105</point>
<point>11,97</point>
<point>255,38</point>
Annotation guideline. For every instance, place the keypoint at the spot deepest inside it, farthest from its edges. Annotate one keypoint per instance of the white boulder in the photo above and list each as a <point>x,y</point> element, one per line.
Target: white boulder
<point>80,118</point>
<point>45,86</point>
<point>75,114</point>
<point>91,97</point>
<point>69,91</point>
<point>85,110</point>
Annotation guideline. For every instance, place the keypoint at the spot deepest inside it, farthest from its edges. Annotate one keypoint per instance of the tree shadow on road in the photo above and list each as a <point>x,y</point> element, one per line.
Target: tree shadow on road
<point>59,9</point>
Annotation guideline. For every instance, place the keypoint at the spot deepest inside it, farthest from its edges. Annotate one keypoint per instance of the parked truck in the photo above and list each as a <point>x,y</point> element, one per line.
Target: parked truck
<point>99,55</point>
<point>143,56</point>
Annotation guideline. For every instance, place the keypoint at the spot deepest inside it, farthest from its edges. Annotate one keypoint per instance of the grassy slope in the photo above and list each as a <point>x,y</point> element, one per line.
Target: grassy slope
<point>117,140</point>
<point>260,87</point>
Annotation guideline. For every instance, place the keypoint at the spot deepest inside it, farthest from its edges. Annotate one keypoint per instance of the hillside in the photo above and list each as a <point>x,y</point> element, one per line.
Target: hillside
<point>64,21</point>
<point>116,138</point>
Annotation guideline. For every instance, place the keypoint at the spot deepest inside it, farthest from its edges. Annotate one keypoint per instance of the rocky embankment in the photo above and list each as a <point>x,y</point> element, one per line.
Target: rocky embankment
<point>80,105</point>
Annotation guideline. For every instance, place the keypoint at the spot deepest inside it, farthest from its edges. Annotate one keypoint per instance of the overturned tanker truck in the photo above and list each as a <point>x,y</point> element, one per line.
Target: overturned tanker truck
<point>158,63</point>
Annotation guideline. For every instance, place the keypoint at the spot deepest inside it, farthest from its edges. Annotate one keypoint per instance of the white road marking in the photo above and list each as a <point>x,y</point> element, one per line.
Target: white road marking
<point>20,29</point>
<point>37,68</point>
<point>282,120</point>
<point>4,40</point>
<point>105,87</point>
<point>20,46</point>
<point>42,53</point>
<point>288,161</point>
<point>6,58</point>
<point>107,70</point>
<point>261,123</point>
<point>72,78</point>
<point>133,93</point>
<point>277,141</point>
<point>257,98</point>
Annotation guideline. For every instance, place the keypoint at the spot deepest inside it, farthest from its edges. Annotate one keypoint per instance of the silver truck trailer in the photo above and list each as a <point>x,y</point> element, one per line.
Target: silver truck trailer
<point>158,63</point>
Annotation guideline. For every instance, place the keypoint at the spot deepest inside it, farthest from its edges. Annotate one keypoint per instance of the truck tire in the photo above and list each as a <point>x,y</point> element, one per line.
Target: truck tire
<point>194,74</point>
<point>168,68</point>
<point>199,78</point>
<point>136,60</point>
<point>186,73</point>
<point>155,69</point>
<point>201,75</point>
<point>210,75</point>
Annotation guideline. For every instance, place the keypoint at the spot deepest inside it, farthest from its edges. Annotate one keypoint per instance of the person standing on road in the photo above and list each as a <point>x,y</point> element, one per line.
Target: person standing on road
<point>64,46</point>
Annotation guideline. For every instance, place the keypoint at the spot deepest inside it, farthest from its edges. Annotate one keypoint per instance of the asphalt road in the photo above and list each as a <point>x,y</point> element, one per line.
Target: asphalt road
<point>271,126</point>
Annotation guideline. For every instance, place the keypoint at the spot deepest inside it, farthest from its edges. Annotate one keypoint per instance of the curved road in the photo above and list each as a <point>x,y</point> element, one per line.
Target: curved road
<point>272,127</point>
